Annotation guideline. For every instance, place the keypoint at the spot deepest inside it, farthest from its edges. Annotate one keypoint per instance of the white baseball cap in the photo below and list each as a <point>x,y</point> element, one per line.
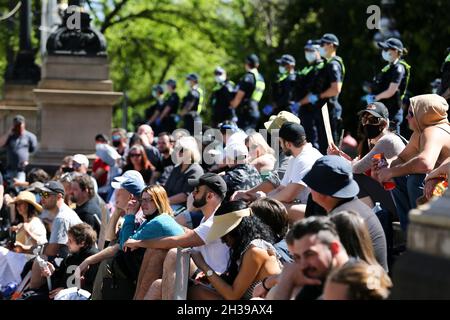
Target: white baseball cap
<point>81,159</point>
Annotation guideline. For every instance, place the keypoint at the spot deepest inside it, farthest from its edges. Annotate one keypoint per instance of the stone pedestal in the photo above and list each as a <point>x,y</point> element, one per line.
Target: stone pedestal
<point>423,271</point>
<point>18,99</point>
<point>75,99</point>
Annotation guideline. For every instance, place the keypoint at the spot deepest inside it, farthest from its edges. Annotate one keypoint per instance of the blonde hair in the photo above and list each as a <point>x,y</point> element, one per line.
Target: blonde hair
<point>365,281</point>
<point>190,145</point>
<point>256,139</point>
<point>160,198</point>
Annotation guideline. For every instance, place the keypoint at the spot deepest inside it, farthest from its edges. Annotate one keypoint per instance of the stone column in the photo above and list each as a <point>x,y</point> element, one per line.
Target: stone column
<point>75,99</point>
<point>423,272</point>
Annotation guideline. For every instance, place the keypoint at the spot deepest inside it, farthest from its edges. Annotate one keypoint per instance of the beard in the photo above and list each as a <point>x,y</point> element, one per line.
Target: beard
<point>199,203</point>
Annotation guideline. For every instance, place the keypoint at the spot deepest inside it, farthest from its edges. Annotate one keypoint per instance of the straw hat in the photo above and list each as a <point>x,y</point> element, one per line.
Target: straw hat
<point>225,223</point>
<point>28,197</point>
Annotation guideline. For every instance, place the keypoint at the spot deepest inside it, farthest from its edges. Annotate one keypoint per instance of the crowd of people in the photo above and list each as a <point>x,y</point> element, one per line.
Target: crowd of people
<point>279,213</point>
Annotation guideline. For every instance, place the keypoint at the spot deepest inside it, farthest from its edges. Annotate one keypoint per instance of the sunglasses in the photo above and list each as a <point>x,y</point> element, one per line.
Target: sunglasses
<point>45,194</point>
<point>135,155</point>
<point>370,120</point>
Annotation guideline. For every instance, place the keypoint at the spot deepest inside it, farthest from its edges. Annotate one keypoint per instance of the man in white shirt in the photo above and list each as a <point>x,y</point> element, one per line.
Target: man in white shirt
<point>293,192</point>
<point>210,190</point>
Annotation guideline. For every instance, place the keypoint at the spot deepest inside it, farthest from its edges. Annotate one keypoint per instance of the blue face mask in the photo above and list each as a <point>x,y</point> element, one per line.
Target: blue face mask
<point>387,56</point>
<point>310,56</point>
<point>322,52</point>
<point>282,69</point>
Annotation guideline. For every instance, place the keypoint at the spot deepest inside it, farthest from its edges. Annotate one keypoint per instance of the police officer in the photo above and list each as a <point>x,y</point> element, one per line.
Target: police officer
<point>152,113</point>
<point>167,119</point>
<point>334,72</point>
<point>192,104</point>
<point>389,86</point>
<point>284,86</point>
<point>222,94</point>
<point>444,89</point>
<point>250,90</point>
<point>310,80</point>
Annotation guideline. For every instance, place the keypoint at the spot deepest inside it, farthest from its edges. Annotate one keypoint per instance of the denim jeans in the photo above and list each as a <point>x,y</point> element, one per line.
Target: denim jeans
<point>408,189</point>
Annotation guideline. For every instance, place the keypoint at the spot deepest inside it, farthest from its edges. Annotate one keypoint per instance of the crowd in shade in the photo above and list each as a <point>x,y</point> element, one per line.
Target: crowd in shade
<point>268,203</point>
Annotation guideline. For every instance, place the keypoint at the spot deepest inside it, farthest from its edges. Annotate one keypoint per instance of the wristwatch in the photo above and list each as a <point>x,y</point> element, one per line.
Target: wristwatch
<point>209,273</point>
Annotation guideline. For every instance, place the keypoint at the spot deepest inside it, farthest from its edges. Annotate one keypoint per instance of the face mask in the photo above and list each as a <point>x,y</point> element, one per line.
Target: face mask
<point>188,83</point>
<point>322,52</point>
<point>282,69</point>
<point>386,56</point>
<point>372,130</point>
<point>310,56</point>
<point>116,143</point>
<point>220,79</point>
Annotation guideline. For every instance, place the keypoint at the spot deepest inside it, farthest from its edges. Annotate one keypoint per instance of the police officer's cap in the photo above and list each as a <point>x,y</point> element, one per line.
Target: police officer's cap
<point>171,82</point>
<point>158,88</point>
<point>252,59</point>
<point>192,76</point>
<point>391,43</point>
<point>286,59</point>
<point>312,45</point>
<point>219,71</point>
<point>330,38</point>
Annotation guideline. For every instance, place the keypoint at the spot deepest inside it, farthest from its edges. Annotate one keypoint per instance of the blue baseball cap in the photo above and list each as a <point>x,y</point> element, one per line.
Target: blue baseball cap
<point>286,59</point>
<point>312,45</point>
<point>332,176</point>
<point>329,38</point>
<point>192,76</point>
<point>131,181</point>
<point>391,43</point>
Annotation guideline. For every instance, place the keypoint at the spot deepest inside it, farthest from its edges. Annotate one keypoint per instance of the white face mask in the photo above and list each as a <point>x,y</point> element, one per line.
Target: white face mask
<point>323,52</point>
<point>188,83</point>
<point>310,56</point>
<point>387,56</point>
<point>282,69</point>
<point>220,79</point>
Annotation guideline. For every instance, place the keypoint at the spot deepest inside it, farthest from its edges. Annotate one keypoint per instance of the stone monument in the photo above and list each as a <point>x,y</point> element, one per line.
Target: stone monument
<point>75,95</point>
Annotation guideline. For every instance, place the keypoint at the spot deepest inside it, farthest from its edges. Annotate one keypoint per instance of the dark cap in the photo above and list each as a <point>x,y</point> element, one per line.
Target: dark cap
<point>218,71</point>
<point>212,181</point>
<point>312,45</point>
<point>158,88</point>
<point>192,76</point>
<point>391,43</point>
<point>332,176</point>
<point>171,82</point>
<point>52,187</point>
<point>252,59</point>
<point>292,132</point>
<point>377,109</point>
<point>329,38</point>
<point>286,59</point>
<point>19,119</point>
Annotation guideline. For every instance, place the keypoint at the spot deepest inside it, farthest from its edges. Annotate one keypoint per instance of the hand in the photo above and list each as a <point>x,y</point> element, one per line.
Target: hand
<point>293,272</point>
<point>52,294</point>
<point>133,206</point>
<point>384,174</point>
<point>333,150</point>
<point>313,98</point>
<point>370,98</point>
<point>131,244</point>
<point>260,195</point>
<point>16,228</point>
<point>82,268</point>
<point>267,110</point>
<point>240,195</point>
<point>259,291</point>
<point>8,199</point>
<point>47,272</point>
<point>199,260</point>
<point>295,107</point>
<point>429,188</point>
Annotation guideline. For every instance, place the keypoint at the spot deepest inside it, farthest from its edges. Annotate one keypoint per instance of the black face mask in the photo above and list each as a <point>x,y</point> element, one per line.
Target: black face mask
<point>116,143</point>
<point>372,130</point>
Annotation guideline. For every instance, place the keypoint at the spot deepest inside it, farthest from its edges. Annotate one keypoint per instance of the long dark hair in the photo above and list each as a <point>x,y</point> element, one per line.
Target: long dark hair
<point>31,212</point>
<point>250,228</point>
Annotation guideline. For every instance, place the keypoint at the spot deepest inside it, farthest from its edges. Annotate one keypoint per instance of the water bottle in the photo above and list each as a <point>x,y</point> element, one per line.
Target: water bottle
<point>382,163</point>
<point>377,207</point>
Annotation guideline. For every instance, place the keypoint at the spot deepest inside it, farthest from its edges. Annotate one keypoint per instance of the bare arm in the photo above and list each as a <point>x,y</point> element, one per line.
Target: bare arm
<point>179,198</point>
<point>188,239</point>
<point>111,229</point>
<point>393,87</point>
<point>106,253</point>
<point>237,99</point>
<point>288,193</point>
<point>332,91</point>
<point>51,249</point>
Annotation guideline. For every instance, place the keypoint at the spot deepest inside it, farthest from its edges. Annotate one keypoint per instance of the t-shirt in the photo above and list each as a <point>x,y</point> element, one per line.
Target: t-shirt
<point>391,145</point>
<point>65,219</point>
<point>215,253</point>
<point>90,213</point>
<point>161,226</point>
<point>298,167</point>
<point>18,149</point>
<point>153,155</point>
<point>178,181</point>
<point>165,169</point>
<point>373,225</point>
<point>98,163</point>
